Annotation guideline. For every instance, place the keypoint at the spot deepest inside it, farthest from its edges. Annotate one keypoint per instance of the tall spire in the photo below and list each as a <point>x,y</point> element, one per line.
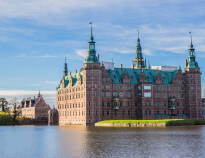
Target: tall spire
<point>92,57</point>
<point>39,93</point>
<point>91,43</point>
<point>65,68</point>
<point>191,48</point>
<point>138,61</point>
<point>91,32</point>
<point>191,63</point>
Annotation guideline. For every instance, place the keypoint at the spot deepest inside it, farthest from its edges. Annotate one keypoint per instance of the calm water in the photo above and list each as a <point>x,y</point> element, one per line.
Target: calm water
<point>92,142</point>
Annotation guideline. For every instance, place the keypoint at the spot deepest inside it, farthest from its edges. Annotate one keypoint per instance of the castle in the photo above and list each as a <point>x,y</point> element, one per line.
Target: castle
<point>35,109</point>
<point>98,93</point>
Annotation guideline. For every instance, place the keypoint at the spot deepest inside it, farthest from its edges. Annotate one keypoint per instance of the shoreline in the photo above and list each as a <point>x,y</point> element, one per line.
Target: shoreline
<point>150,123</point>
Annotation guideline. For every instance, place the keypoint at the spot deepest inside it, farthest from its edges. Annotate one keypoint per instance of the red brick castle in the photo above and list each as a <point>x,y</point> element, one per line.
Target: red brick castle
<point>98,93</point>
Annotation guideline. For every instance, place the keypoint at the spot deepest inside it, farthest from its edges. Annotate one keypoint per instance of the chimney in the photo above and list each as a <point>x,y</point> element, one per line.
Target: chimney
<point>76,71</point>
<point>120,66</point>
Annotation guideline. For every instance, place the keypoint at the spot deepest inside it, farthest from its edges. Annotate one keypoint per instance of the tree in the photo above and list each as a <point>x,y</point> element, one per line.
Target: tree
<point>15,112</point>
<point>3,104</point>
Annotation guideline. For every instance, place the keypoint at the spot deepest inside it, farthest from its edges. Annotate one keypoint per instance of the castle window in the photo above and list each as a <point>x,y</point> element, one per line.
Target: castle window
<point>128,94</point>
<point>158,104</point>
<point>107,113</point>
<point>107,86</point>
<point>114,87</point>
<point>128,112</point>
<point>147,87</point>
<point>147,94</point>
<point>115,94</point>
<point>107,94</point>
<point>121,94</point>
<point>157,95</point>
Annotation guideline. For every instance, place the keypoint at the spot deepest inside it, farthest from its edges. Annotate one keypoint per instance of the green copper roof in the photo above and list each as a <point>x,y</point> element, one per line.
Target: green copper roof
<point>74,77</point>
<point>91,58</point>
<point>192,63</point>
<point>134,74</point>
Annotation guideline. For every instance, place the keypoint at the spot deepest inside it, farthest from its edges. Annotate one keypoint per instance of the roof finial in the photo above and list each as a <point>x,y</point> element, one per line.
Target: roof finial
<point>138,34</point>
<point>149,65</point>
<point>91,31</point>
<point>191,45</point>
<point>39,93</point>
<point>65,60</point>
<point>65,67</point>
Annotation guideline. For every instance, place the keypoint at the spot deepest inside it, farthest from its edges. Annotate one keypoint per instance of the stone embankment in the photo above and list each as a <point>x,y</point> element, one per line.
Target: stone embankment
<point>130,124</point>
<point>150,123</point>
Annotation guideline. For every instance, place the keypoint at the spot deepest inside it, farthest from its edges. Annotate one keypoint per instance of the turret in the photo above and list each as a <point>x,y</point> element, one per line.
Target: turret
<point>191,63</point>
<point>138,61</point>
<point>92,57</point>
<point>192,83</point>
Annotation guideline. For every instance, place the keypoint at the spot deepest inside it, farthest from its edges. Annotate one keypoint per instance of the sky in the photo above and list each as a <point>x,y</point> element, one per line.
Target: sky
<point>36,35</point>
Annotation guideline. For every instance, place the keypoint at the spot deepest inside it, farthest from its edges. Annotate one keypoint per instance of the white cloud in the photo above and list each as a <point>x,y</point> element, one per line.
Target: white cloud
<point>47,55</point>
<point>174,39</point>
<point>49,96</point>
<point>147,52</point>
<point>37,9</point>
<point>24,92</point>
<point>82,52</point>
<point>51,82</point>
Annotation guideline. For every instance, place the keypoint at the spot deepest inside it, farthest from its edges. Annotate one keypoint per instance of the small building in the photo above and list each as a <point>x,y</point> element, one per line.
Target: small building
<point>203,106</point>
<point>35,109</point>
<point>53,116</point>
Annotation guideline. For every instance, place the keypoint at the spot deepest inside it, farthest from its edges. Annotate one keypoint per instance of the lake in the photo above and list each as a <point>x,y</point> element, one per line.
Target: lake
<point>99,142</point>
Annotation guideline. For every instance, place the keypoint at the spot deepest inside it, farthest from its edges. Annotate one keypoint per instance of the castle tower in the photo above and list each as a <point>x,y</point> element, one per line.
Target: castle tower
<point>92,57</point>
<point>138,62</point>
<point>93,78</point>
<point>192,80</point>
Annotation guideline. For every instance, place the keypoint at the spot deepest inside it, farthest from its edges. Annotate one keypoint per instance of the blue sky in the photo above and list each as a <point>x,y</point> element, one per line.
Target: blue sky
<point>36,35</point>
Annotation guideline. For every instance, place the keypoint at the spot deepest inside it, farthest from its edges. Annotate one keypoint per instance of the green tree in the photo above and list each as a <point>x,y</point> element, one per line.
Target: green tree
<point>3,104</point>
<point>15,112</point>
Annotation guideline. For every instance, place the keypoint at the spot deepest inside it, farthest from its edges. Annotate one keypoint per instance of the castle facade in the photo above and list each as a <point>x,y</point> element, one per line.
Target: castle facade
<point>98,93</point>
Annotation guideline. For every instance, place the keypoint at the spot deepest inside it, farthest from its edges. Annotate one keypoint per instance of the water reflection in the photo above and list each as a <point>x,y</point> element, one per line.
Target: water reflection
<point>91,142</point>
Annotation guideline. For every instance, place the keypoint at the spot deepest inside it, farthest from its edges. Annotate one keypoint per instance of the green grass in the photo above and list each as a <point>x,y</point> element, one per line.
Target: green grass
<point>5,119</point>
<point>169,122</point>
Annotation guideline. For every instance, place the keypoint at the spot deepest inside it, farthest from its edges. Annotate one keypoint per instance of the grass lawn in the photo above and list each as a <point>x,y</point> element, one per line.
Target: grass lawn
<point>169,122</point>
<point>5,118</point>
